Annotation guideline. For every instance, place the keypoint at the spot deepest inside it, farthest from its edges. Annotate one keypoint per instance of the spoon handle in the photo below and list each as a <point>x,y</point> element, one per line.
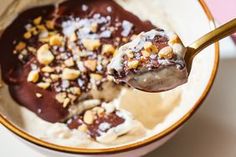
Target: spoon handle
<point>213,36</point>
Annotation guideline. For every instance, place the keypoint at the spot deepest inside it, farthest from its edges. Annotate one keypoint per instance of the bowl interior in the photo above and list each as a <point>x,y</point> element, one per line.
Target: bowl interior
<point>190,21</point>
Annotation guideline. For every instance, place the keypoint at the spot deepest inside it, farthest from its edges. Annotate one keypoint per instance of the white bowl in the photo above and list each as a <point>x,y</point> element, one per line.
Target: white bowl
<point>191,20</point>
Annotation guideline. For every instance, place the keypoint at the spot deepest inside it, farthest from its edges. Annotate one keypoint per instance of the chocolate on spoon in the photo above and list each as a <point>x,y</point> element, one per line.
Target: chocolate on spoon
<point>157,61</point>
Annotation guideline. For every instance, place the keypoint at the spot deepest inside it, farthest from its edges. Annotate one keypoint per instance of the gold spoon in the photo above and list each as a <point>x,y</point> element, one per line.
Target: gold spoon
<point>170,77</point>
<point>208,39</point>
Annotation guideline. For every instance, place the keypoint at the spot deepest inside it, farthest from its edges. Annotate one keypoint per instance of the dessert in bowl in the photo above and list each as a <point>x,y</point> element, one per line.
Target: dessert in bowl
<point>55,84</point>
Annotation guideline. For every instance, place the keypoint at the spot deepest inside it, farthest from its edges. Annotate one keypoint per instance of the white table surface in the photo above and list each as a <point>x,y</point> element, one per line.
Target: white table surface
<point>211,132</point>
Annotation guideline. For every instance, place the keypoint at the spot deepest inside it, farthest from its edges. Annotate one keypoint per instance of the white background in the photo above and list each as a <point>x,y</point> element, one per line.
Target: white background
<point>211,132</point>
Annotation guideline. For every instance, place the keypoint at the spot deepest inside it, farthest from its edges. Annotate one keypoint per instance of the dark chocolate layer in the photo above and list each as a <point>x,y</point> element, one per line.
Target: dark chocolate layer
<point>15,71</point>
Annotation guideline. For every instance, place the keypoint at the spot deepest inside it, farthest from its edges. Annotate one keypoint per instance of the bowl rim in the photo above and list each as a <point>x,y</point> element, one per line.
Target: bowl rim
<point>128,147</point>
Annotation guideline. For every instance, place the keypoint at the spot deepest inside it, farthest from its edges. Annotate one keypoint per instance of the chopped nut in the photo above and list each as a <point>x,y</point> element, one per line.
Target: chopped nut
<point>38,95</point>
<point>133,64</point>
<point>73,37</point>
<point>145,53</point>
<point>115,53</point>
<point>91,44</point>
<point>108,49</point>
<point>174,39</point>
<point>66,102</point>
<point>20,46</point>
<point>32,49</point>
<point>60,97</point>
<point>75,90</point>
<point>125,40</point>
<point>130,54</point>
<point>72,98</point>
<point>149,47</point>
<point>83,128</point>
<point>96,77</point>
<point>55,40</point>
<point>50,24</point>
<point>43,85</point>
<point>70,74</point>
<point>33,30</point>
<point>27,35</point>
<point>54,77</point>
<point>33,76</point>
<point>94,27</point>
<point>90,64</point>
<point>48,80</point>
<point>88,117</point>
<point>133,36</point>
<point>99,110</point>
<point>47,69</point>
<point>166,52</point>
<point>44,55</point>
<point>41,28</point>
<point>37,20</point>
<point>69,62</point>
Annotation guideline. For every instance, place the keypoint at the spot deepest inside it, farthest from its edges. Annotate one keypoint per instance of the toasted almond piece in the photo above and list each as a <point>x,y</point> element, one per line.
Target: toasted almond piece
<point>55,40</point>
<point>133,64</point>
<point>37,20</point>
<point>108,49</point>
<point>69,62</point>
<point>90,64</point>
<point>174,39</point>
<point>166,52</point>
<point>125,40</point>
<point>115,53</point>
<point>145,53</point>
<point>33,30</point>
<point>96,77</point>
<point>70,74</point>
<point>54,77</point>
<point>48,80</point>
<point>99,110</point>
<point>43,85</point>
<point>44,55</point>
<point>27,35</point>
<point>50,24</point>
<point>60,97</point>
<point>47,69</point>
<point>88,117</point>
<point>75,90</point>
<point>130,54</point>
<point>133,36</point>
<point>149,47</point>
<point>91,44</point>
<point>73,37</point>
<point>83,128</point>
<point>32,49</point>
<point>94,27</point>
<point>41,28</point>
<point>72,98</point>
<point>38,95</point>
<point>66,102</point>
<point>20,46</point>
<point>33,76</point>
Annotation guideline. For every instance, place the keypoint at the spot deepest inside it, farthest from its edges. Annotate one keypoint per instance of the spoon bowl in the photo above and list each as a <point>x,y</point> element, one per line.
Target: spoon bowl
<point>169,76</point>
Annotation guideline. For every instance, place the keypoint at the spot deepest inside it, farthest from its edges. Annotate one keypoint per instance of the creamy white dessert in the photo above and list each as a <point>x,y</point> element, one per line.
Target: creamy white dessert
<point>138,123</point>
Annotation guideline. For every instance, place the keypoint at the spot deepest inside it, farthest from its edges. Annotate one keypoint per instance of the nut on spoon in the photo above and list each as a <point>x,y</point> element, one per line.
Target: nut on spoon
<point>152,70</point>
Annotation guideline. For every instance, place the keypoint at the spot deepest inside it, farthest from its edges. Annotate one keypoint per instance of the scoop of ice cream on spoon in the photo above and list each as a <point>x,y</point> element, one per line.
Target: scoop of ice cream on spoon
<point>157,60</point>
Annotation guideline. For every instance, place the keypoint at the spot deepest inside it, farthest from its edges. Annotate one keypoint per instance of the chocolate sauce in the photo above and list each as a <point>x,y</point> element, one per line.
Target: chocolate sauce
<point>15,71</point>
<point>112,120</point>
